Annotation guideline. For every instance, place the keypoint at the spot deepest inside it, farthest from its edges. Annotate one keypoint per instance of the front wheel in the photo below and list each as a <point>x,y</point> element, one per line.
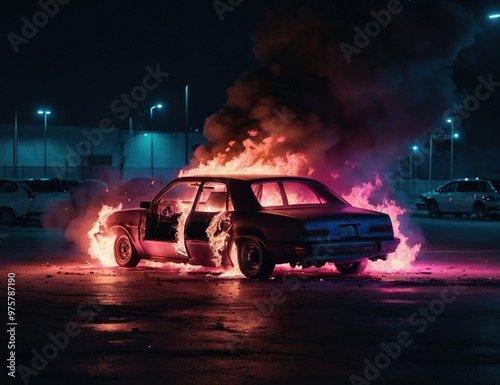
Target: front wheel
<point>352,268</point>
<point>254,262</point>
<point>7,216</point>
<point>433,208</point>
<point>125,253</point>
<point>479,211</point>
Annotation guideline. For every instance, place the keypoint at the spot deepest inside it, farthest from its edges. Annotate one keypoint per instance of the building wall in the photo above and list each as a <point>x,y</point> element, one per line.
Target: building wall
<point>84,152</point>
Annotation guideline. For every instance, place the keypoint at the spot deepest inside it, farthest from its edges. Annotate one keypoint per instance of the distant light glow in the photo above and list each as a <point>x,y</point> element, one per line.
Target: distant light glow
<point>494,16</point>
<point>456,135</point>
<point>159,105</point>
<point>415,148</point>
<point>449,120</point>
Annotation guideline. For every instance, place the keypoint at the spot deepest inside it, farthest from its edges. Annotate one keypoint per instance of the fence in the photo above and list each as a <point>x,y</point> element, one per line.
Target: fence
<point>106,174</point>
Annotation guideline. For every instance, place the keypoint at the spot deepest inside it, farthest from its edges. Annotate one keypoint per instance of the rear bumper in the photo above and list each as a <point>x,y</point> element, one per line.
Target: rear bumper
<point>347,251</point>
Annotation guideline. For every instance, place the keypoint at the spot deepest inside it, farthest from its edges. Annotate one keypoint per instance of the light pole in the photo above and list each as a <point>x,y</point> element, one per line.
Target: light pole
<point>414,149</point>
<point>452,136</point>
<point>151,114</point>
<point>44,113</point>
<point>431,140</point>
<point>151,110</point>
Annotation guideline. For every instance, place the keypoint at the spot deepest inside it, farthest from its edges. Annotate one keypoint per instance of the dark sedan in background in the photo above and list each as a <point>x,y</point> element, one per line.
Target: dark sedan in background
<point>253,221</point>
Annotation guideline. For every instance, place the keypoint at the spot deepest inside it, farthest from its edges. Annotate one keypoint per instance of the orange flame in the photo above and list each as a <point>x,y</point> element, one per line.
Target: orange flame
<point>255,159</point>
<point>102,249</point>
<point>405,254</point>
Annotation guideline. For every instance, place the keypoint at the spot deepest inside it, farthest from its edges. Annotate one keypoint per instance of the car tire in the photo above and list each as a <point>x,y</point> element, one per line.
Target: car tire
<point>7,216</point>
<point>253,260</point>
<point>125,253</point>
<point>352,268</point>
<point>433,208</point>
<point>479,211</point>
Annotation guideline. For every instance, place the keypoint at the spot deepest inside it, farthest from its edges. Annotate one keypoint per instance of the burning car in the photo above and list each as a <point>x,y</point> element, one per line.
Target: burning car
<point>251,221</point>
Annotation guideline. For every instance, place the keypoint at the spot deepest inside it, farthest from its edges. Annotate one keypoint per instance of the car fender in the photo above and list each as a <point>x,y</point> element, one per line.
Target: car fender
<point>133,234</point>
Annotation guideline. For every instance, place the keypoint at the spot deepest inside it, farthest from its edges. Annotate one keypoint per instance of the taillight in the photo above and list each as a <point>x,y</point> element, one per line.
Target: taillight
<point>381,229</point>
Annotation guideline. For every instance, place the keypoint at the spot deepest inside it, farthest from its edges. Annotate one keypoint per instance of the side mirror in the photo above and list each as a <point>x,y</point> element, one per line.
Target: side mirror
<point>145,205</point>
<point>439,189</point>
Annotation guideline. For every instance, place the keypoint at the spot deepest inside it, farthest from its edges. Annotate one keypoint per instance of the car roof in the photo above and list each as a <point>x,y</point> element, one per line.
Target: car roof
<point>469,180</point>
<point>243,177</point>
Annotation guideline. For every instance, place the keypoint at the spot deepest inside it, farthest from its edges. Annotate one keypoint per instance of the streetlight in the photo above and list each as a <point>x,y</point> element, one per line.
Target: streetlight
<point>452,137</point>
<point>494,16</point>
<point>412,156</point>
<point>151,110</point>
<point>44,113</point>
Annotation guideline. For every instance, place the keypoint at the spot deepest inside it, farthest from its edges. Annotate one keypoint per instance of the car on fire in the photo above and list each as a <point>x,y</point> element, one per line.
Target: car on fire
<point>470,196</point>
<point>254,222</point>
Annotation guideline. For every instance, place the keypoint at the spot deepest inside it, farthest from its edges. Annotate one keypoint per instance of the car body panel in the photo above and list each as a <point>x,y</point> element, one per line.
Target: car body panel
<point>17,196</point>
<point>52,195</point>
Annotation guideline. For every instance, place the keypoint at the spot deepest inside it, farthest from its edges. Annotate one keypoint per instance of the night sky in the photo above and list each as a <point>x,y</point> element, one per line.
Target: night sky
<point>91,52</point>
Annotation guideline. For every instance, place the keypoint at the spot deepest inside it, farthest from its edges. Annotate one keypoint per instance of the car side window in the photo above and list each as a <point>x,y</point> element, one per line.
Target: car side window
<point>214,198</point>
<point>8,187</point>
<point>301,194</point>
<point>268,194</point>
<point>450,187</point>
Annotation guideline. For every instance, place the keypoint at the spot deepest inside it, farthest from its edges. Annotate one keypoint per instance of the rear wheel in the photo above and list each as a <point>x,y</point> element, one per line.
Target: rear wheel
<point>479,211</point>
<point>7,216</point>
<point>253,260</point>
<point>125,253</point>
<point>433,208</point>
<point>352,268</point>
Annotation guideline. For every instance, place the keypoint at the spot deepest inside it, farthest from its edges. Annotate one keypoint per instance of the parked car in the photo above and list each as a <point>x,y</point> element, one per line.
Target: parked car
<point>56,200</point>
<point>16,200</point>
<point>469,196</point>
<point>255,221</point>
<point>49,192</point>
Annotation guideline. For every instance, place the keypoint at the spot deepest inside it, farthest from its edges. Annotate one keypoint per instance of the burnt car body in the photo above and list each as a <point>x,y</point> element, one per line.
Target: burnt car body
<point>253,221</point>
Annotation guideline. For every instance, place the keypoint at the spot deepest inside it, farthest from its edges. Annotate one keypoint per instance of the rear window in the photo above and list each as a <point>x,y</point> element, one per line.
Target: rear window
<point>7,186</point>
<point>473,186</point>
<point>285,193</point>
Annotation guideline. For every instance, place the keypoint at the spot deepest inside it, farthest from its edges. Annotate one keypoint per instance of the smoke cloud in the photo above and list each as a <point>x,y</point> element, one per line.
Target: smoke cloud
<point>352,119</point>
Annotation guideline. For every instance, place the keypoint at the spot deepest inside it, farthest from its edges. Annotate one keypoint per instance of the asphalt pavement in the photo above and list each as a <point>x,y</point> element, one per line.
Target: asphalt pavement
<point>77,322</point>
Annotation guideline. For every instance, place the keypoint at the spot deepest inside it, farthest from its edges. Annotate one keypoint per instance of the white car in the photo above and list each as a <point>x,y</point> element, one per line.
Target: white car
<point>16,200</point>
<point>53,204</point>
<point>469,196</point>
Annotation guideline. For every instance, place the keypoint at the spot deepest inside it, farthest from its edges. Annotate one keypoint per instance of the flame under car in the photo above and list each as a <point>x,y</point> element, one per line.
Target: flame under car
<point>255,221</point>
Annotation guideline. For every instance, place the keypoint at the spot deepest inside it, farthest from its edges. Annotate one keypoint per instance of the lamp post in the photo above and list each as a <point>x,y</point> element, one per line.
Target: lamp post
<point>430,159</point>
<point>414,149</point>
<point>452,136</point>
<point>151,110</point>
<point>151,114</point>
<point>44,113</point>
